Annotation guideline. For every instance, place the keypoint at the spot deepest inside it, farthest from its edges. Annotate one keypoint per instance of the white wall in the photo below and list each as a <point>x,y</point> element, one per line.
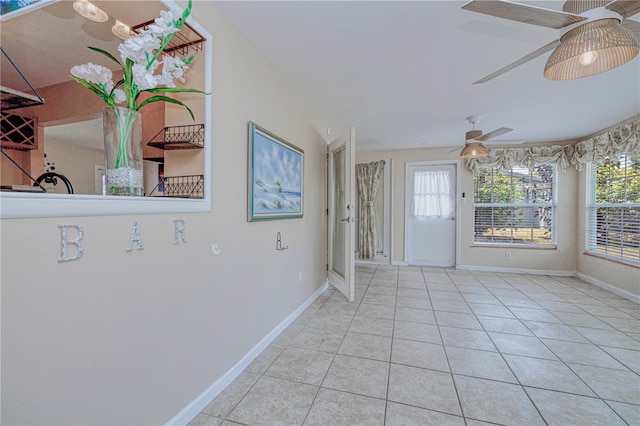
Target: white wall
<point>122,337</point>
<point>561,259</point>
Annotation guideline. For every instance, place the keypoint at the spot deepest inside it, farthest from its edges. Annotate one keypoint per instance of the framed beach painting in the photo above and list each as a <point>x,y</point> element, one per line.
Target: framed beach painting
<point>276,177</point>
<point>13,8</point>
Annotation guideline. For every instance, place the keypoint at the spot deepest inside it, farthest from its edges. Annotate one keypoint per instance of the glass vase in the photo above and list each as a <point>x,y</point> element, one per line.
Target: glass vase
<point>123,152</point>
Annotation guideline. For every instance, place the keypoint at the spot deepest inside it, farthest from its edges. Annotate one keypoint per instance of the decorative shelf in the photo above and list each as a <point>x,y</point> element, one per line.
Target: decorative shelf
<point>11,98</point>
<point>190,136</point>
<point>155,159</point>
<point>190,186</point>
<point>182,42</point>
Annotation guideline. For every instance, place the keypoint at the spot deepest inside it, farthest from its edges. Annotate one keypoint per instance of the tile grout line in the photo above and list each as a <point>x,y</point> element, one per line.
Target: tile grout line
<point>393,331</point>
<point>525,291</point>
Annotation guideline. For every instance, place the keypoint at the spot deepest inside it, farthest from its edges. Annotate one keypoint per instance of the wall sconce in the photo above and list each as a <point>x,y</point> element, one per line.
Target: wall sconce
<point>88,10</point>
<point>121,30</point>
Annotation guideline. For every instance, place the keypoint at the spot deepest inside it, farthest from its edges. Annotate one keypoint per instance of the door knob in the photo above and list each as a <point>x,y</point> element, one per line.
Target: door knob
<point>346,219</point>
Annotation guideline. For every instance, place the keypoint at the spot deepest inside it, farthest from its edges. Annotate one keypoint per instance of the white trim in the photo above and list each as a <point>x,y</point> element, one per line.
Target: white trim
<point>613,289</point>
<point>559,273</point>
<point>194,408</point>
<point>388,224</point>
<point>379,260</point>
<point>591,222</point>
<point>24,205</point>
<point>392,203</point>
<point>516,245</point>
<point>399,263</point>
<point>458,209</point>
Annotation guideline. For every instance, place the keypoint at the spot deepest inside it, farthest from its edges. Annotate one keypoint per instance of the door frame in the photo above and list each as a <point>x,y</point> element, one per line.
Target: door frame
<point>346,284</point>
<point>407,207</point>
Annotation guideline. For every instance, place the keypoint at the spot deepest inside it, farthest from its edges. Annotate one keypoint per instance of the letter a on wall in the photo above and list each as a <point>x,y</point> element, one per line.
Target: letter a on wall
<point>135,236</point>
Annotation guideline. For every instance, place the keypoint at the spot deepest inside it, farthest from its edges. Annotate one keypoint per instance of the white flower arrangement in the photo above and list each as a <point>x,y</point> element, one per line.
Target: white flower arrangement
<point>141,56</point>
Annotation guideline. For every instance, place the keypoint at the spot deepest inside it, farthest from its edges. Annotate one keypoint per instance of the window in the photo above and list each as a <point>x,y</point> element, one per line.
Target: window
<point>614,209</point>
<point>433,194</point>
<point>515,206</point>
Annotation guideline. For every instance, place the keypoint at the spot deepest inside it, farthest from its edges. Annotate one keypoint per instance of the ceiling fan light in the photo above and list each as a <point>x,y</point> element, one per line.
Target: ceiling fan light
<point>88,10</point>
<point>474,150</point>
<point>591,48</point>
<point>121,30</point>
<point>587,58</point>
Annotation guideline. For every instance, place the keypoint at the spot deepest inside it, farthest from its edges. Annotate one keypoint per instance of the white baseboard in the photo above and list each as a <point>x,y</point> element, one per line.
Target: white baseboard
<point>197,405</point>
<point>399,263</point>
<point>559,273</point>
<point>371,262</point>
<point>613,289</point>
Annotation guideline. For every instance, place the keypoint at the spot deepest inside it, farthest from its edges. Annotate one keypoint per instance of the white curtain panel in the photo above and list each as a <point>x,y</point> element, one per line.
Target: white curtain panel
<point>368,178</point>
<point>433,194</point>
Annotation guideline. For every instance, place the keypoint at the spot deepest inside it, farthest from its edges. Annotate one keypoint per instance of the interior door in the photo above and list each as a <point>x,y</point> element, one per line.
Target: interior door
<point>341,214</point>
<point>430,214</point>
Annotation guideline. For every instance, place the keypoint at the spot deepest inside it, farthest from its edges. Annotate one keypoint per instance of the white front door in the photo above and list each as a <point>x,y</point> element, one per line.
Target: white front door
<point>430,214</point>
<point>341,214</point>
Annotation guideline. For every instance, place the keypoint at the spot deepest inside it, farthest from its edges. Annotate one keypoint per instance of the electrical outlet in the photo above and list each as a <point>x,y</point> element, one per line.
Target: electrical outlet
<point>507,255</point>
<point>300,276</point>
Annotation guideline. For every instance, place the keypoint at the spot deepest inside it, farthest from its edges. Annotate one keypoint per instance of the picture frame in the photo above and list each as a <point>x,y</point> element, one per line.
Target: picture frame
<point>276,177</point>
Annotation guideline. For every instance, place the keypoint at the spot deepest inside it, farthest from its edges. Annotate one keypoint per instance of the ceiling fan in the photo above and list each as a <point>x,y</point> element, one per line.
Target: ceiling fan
<point>473,146</point>
<point>595,35</point>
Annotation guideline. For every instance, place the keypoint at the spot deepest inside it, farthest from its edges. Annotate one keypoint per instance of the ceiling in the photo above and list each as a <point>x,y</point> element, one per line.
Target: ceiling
<point>399,72</point>
<point>46,42</point>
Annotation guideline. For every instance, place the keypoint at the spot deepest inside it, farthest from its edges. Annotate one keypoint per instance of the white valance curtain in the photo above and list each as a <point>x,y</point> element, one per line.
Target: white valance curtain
<point>368,178</point>
<point>433,194</point>
<point>622,139</point>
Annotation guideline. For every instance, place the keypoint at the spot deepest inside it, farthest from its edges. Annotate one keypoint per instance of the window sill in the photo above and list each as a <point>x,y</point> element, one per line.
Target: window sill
<point>516,246</point>
<point>614,259</point>
<point>27,205</point>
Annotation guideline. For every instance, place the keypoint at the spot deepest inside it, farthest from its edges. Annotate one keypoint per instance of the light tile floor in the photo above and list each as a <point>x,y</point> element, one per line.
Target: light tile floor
<point>423,346</point>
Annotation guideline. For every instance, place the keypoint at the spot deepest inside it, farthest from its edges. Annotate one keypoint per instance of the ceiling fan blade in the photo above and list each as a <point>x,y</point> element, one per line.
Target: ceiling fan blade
<point>523,13</point>
<point>625,8</point>
<point>495,133</point>
<point>520,61</point>
<point>633,26</point>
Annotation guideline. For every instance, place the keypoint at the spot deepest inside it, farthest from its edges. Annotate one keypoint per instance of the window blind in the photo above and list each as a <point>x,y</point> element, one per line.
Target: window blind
<point>515,206</point>
<point>614,209</point>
